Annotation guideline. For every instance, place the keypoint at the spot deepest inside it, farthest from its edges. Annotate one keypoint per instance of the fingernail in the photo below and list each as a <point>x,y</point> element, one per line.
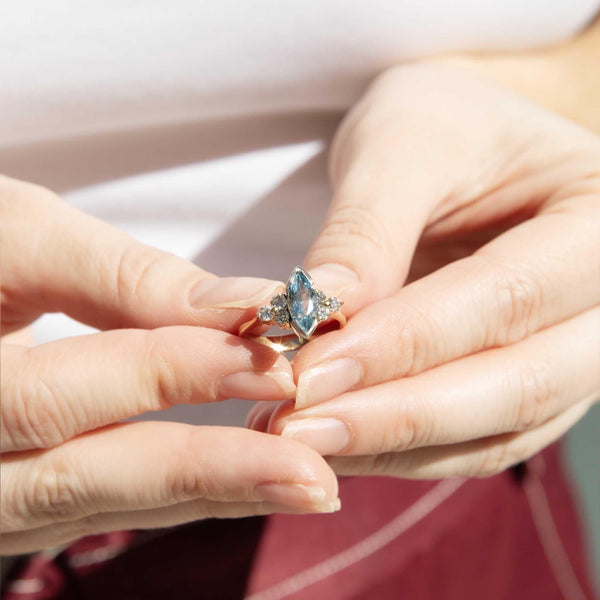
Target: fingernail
<point>250,385</point>
<point>326,436</point>
<point>232,292</point>
<point>327,381</point>
<point>334,279</point>
<point>296,495</point>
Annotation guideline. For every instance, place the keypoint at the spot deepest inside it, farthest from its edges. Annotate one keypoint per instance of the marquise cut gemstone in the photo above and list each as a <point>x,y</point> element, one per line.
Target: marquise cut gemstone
<point>303,303</point>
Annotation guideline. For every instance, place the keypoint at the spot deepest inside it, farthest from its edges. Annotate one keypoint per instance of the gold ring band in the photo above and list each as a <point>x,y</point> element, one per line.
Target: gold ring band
<point>289,341</point>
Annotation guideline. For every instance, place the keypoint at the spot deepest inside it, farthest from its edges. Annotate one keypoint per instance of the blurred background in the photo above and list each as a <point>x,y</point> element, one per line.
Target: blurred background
<point>583,452</point>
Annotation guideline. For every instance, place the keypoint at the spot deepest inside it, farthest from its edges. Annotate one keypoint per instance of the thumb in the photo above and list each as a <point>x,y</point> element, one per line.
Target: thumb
<point>393,161</point>
<point>364,249</point>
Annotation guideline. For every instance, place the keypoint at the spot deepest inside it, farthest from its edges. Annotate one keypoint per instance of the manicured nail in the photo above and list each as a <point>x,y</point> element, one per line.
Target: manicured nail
<point>297,496</point>
<point>232,292</point>
<point>326,436</point>
<point>250,385</point>
<point>334,279</point>
<point>327,381</point>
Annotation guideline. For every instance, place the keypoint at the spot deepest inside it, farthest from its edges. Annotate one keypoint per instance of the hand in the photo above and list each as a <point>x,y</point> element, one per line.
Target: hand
<point>491,353</point>
<point>68,467</point>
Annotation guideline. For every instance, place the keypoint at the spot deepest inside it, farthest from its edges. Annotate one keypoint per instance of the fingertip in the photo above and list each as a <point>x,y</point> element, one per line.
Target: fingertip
<point>299,464</point>
<point>268,374</point>
<point>309,498</point>
<point>226,303</point>
<point>251,385</point>
<point>336,345</point>
<point>231,292</point>
<point>334,279</point>
<point>278,416</point>
<point>259,415</point>
<point>326,381</point>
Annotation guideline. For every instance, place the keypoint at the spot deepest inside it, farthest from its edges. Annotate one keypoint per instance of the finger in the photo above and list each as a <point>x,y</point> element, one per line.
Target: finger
<point>478,458</point>
<point>507,290</point>
<point>497,391</point>
<point>54,391</point>
<point>21,337</point>
<point>31,540</point>
<point>146,465</point>
<point>388,172</point>
<point>259,415</point>
<point>58,259</point>
<point>398,165</point>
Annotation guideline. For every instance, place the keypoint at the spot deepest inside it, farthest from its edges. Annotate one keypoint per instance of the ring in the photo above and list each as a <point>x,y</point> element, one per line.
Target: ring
<point>301,308</point>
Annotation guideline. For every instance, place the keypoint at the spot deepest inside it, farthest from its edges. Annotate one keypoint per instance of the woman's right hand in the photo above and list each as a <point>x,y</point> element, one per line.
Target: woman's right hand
<point>69,467</point>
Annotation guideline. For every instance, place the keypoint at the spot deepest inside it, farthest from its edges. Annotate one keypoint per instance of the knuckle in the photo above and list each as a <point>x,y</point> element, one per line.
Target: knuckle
<point>33,412</point>
<point>520,299</point>
<point>409,425</point>
<point>413,331</point>
<point>52,492</point>
<point>86,525</point>
<point>184,483</point>
<point>355,227</point>
<point>187,479</point>
<point>11,515</point>
<point>385,464</point>
<point>131,275</point>
<point>168,387</point>
<point>535,392</point>
<point>493,461</point>
<point>406,351</point>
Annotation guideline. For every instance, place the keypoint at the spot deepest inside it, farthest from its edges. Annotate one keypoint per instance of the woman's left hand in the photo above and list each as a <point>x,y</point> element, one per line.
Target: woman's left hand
<point>490,206</point>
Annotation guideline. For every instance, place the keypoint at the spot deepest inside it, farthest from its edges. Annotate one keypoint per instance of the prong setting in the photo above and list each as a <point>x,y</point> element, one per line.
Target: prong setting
<point>302,307</point>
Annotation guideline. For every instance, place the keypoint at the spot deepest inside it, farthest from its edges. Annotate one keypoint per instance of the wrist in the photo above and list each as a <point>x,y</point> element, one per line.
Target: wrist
<point>564,78</point>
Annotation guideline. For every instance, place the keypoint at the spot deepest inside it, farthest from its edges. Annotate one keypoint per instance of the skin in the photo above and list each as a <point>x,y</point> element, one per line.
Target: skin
<point>442,178</point>
<point>70,466</point>
<point>465,238</point>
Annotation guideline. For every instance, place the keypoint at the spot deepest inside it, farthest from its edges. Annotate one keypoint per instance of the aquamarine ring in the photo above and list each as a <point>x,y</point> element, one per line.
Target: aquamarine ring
<point>301,308</point>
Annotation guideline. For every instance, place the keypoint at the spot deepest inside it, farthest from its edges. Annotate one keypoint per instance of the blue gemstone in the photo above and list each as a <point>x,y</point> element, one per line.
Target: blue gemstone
<point>302,303</point>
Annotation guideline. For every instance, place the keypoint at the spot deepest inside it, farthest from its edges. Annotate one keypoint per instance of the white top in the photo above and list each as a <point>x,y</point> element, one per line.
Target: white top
<point>200,125</point>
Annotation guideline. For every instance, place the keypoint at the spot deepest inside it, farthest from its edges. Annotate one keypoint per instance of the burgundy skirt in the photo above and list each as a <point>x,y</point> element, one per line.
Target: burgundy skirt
<point>513,536</point>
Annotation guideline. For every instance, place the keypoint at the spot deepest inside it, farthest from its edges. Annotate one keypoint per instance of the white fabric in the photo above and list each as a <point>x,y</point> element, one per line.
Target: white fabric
<point>201,127</point>
<point>79,66</point>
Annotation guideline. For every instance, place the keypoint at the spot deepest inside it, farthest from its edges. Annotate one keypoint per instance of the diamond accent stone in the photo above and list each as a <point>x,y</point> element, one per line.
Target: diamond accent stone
<point>279,302</point>
<point>333,304</point>
<point>279,310</point>
<point>264,314</point>
<point>302,302</point>
<point>322,313</point>
<point>281,318</point>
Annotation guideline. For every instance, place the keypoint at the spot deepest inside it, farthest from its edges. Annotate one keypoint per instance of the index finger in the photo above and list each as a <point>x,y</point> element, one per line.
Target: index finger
<point>521,282</point>
<point>52,392</point>
<point>58,259</point>
<point>149,465</point>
